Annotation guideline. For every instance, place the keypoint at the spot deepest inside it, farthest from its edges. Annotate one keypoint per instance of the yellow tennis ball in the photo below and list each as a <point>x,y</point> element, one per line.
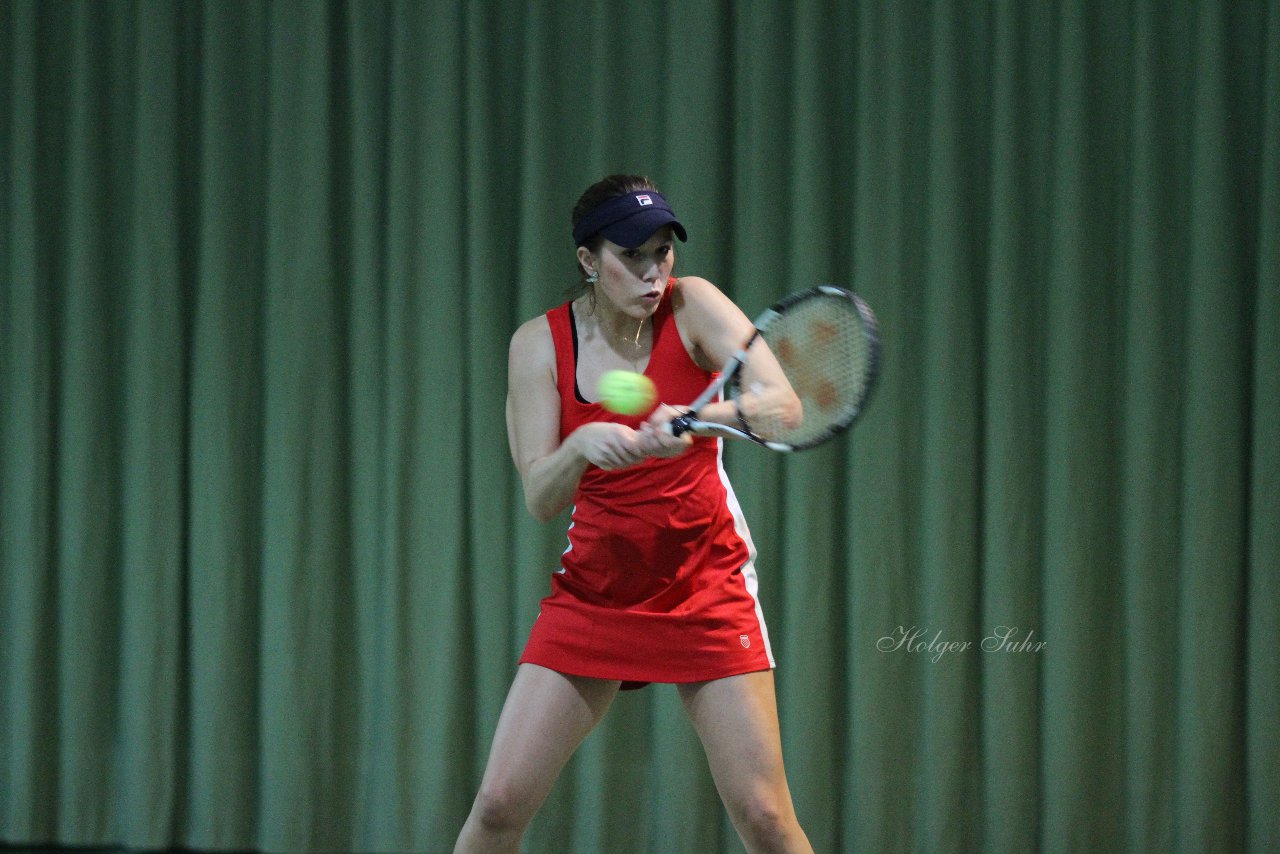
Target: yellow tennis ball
<point>627,393</point>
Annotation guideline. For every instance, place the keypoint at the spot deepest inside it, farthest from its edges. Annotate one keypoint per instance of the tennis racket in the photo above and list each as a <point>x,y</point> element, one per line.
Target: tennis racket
<point>828,343</point>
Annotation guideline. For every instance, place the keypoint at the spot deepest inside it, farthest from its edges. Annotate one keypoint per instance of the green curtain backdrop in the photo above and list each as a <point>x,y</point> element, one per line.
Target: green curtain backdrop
<point>265,564</point>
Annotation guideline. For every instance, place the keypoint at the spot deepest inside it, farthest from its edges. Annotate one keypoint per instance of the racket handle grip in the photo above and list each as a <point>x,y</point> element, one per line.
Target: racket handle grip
<point>681,424</point>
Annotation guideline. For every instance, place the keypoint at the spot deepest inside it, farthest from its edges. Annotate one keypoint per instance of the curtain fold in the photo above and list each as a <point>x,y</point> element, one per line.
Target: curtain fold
<point>265,565</point>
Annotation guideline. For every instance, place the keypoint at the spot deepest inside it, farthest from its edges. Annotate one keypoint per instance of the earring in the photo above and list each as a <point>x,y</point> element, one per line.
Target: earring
<point>593,277</point>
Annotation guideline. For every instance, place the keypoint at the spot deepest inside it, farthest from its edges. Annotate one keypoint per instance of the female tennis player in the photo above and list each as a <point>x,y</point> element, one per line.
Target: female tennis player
<point>658,583</point>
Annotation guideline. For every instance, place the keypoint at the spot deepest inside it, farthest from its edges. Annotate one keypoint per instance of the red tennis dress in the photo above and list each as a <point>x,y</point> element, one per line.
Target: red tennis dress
<point>658,583</point>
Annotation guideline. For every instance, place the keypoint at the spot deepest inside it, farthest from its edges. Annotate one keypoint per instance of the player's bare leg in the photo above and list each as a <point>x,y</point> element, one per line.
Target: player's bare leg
<point>545,718</point>
<point>737,720</point>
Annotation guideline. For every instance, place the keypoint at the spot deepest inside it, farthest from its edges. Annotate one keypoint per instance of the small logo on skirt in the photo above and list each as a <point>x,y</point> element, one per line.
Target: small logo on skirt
<point>745,641</point>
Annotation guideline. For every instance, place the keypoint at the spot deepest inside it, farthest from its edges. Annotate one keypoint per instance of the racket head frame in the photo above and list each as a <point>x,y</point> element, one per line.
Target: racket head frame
<point>730,376</point>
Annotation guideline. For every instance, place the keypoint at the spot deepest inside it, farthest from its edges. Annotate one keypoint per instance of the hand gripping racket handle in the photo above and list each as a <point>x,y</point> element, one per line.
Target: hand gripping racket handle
<point>681,424</point>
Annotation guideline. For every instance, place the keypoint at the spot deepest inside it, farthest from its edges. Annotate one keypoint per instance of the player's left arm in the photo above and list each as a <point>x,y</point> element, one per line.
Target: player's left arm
<point>715,328</point>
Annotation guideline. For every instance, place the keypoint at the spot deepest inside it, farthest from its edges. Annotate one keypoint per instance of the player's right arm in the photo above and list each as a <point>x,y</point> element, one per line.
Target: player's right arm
<point>550,469</point>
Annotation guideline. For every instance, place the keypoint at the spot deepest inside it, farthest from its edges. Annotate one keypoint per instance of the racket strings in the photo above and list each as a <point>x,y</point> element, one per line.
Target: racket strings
<point>827,351</point>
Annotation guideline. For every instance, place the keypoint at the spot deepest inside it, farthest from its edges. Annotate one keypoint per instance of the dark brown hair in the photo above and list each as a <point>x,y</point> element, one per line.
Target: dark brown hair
<point>601,191</point>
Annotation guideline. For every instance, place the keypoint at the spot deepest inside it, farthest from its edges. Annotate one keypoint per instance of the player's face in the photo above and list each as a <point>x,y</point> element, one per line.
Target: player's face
<point>634,279</point>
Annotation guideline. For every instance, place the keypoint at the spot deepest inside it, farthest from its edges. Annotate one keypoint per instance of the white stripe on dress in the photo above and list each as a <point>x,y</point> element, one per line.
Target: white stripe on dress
<point>749,568</point>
